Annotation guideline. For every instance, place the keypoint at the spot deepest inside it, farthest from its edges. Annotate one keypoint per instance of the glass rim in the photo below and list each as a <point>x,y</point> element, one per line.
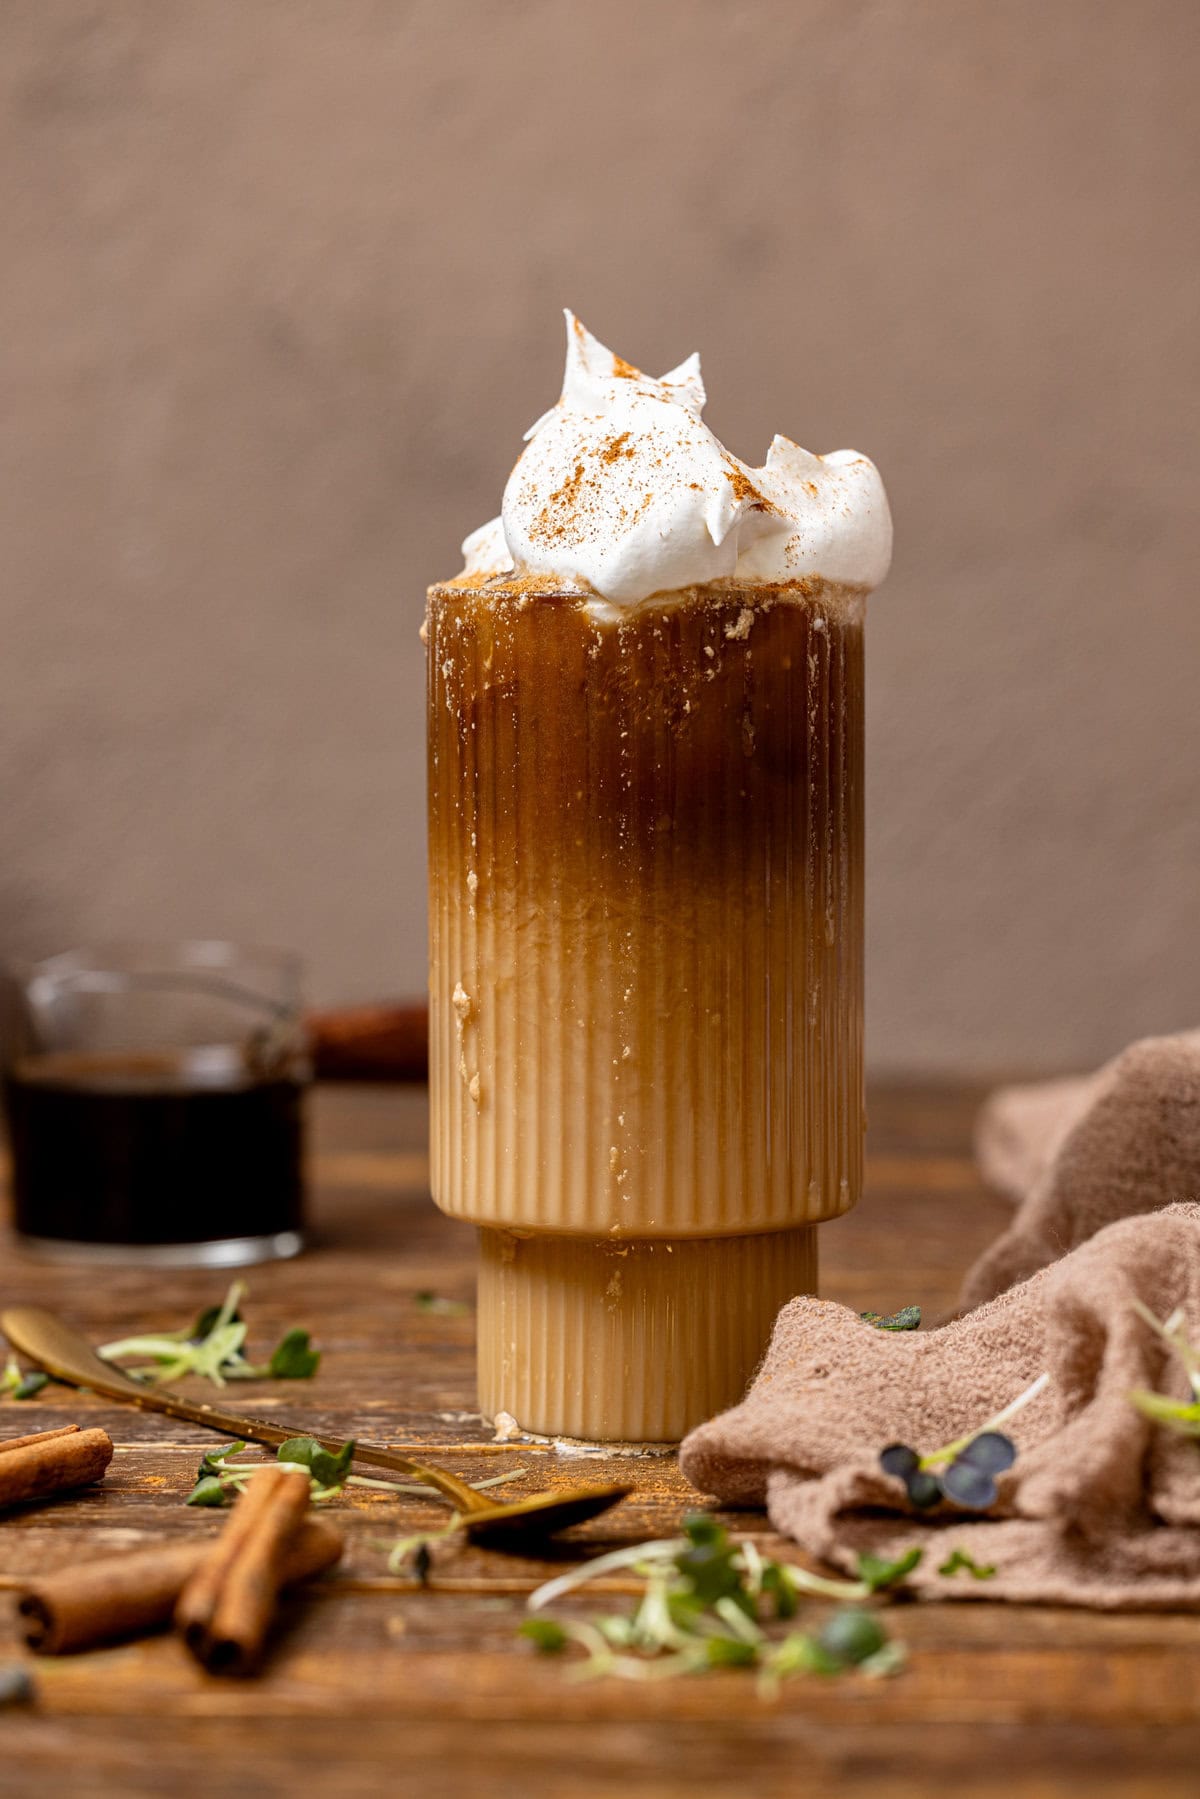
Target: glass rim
<point>117,955</point>
<point>271,980</point>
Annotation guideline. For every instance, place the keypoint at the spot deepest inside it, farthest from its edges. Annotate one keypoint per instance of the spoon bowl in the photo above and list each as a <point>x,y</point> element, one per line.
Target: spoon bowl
<point>43,1337</point>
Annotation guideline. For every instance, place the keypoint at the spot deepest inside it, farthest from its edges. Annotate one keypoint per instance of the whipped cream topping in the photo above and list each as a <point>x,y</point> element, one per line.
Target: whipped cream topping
<point>624,490</point>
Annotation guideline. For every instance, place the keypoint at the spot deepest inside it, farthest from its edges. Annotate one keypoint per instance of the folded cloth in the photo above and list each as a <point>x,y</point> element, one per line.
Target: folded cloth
<point>1081,1153</point>
<point>1100,1507</point>
<point>1020,1130</point>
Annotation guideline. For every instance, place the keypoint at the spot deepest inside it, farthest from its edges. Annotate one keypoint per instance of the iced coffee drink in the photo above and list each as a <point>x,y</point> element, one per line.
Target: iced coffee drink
<point>645,812</point>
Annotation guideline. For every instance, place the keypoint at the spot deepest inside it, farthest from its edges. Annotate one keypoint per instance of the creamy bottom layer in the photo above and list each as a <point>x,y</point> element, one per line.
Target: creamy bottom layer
<point>636,1341</point>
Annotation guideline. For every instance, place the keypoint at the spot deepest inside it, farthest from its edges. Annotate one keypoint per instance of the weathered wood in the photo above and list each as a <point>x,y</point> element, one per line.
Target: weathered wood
<point>1026,1701</point>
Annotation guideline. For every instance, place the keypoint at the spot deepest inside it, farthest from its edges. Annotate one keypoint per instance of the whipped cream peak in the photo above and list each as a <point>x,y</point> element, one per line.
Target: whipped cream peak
<point>591,370</point>
<point>622,488</point>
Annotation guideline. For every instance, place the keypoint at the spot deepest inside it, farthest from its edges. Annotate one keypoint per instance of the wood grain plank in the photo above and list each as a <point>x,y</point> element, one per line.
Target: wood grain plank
<point>1028,1701</point>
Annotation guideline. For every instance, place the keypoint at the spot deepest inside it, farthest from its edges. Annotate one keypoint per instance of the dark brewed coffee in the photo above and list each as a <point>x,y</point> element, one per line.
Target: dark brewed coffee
<point>159,1149</point>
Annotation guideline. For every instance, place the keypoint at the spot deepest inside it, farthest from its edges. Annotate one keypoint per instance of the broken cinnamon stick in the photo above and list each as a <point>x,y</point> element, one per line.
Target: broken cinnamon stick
<point>129,1595</point>
<point>226,1608</point>
<point>52,1461</point>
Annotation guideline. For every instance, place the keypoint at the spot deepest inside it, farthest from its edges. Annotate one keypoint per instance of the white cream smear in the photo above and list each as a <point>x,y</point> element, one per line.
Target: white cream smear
<point>624,490</point>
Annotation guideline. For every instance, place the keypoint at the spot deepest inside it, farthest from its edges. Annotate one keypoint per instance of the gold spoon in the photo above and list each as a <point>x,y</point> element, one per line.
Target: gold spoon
<point>45,1339</point>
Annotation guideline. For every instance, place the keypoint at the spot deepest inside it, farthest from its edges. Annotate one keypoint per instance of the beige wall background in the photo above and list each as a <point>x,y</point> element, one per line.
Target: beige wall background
<point>280,293</point>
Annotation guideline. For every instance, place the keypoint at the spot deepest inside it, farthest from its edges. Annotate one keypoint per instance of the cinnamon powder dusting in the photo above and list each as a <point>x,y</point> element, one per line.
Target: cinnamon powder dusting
<point>616,447</point>
<point>555,517</point>
<point>625,370</point>
<point>744,489</point>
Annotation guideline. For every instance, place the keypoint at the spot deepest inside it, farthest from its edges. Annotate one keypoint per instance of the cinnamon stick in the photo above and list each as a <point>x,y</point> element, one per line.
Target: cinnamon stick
<point>52,1461</point>
<point>226,1608</point>
<point>39,1436</point>
<point>129,1595</point>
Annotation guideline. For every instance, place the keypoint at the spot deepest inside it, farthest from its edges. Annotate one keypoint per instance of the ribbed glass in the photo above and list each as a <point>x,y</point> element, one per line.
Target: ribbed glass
<point>645,843</point>
<point>636,1342</point>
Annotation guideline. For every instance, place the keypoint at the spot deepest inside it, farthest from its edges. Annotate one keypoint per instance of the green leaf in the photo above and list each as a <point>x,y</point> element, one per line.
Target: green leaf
<point>730,1652</point>
<point>851,1637</point>
<point>294,1358</point>
<point>211,1457</point>
<point>208,1491</point>
<point>702,1528</point>
<point>779,1589</point>
<point>331,1470</point>
<point>30,1384</point>
<point>801,1653</point>
<point>684,1610</point>
<point>908,1318</point>
<point>215,1350</point>
<point>299,1449</point>
<point>710,1573</point>
<point>326,1469</point>
<point>959,1558</point>
<point>547,1637</point>
<point>878,1575</point>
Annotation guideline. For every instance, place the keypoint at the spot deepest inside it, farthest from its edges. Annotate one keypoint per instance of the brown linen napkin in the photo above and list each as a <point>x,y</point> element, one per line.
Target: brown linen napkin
<point>1100,1507</point>
<point>1081,1153</point>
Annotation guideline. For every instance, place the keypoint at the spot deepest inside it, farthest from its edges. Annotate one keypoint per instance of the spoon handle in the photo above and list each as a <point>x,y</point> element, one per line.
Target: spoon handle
<point>257,1430</point>
<point>54,1346</point>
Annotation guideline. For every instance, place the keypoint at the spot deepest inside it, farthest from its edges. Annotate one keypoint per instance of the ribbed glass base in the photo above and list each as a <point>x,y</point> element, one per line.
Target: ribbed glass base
<point>629,1342</point>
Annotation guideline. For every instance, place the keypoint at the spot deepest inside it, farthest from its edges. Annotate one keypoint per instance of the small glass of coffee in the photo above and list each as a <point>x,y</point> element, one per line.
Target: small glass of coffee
<point>154,1095</point>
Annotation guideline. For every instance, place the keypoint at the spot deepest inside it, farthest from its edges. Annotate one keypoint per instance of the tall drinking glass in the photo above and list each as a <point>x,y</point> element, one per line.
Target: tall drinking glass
<point>646,905</point>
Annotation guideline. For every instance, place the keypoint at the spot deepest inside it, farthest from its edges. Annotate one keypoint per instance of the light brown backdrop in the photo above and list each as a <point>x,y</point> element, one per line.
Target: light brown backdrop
<point>280,292</point>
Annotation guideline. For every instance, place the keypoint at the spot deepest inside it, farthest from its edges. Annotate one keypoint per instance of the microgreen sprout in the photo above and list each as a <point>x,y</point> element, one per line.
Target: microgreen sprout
<point>959,1559</point>
<point>879,1576</point>
<point>965,1471</point>
<point>908,1318</point>
<point>219,1479</point>
<point>415,1553</point>
<point>20,1385</point>
<point>213,1347</point>
<point>708,1602</point>
<point>1179,1415</point>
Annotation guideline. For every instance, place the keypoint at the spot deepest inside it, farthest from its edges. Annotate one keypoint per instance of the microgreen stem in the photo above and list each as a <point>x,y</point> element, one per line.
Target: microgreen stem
<point>662,1549</point>
<point>1173,1331</point>
<point>400,1551</point>
<point>937,1457</point>
<point>424,1490</point>
<point>742,1627</point>
<point>213,1348</point>
<point>706,1604</point>
<point>665,1549</point>
<point>806,1582</point>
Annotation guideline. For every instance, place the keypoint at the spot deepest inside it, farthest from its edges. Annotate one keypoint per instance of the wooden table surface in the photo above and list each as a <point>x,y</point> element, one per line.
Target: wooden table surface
<point>377,1686</point>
